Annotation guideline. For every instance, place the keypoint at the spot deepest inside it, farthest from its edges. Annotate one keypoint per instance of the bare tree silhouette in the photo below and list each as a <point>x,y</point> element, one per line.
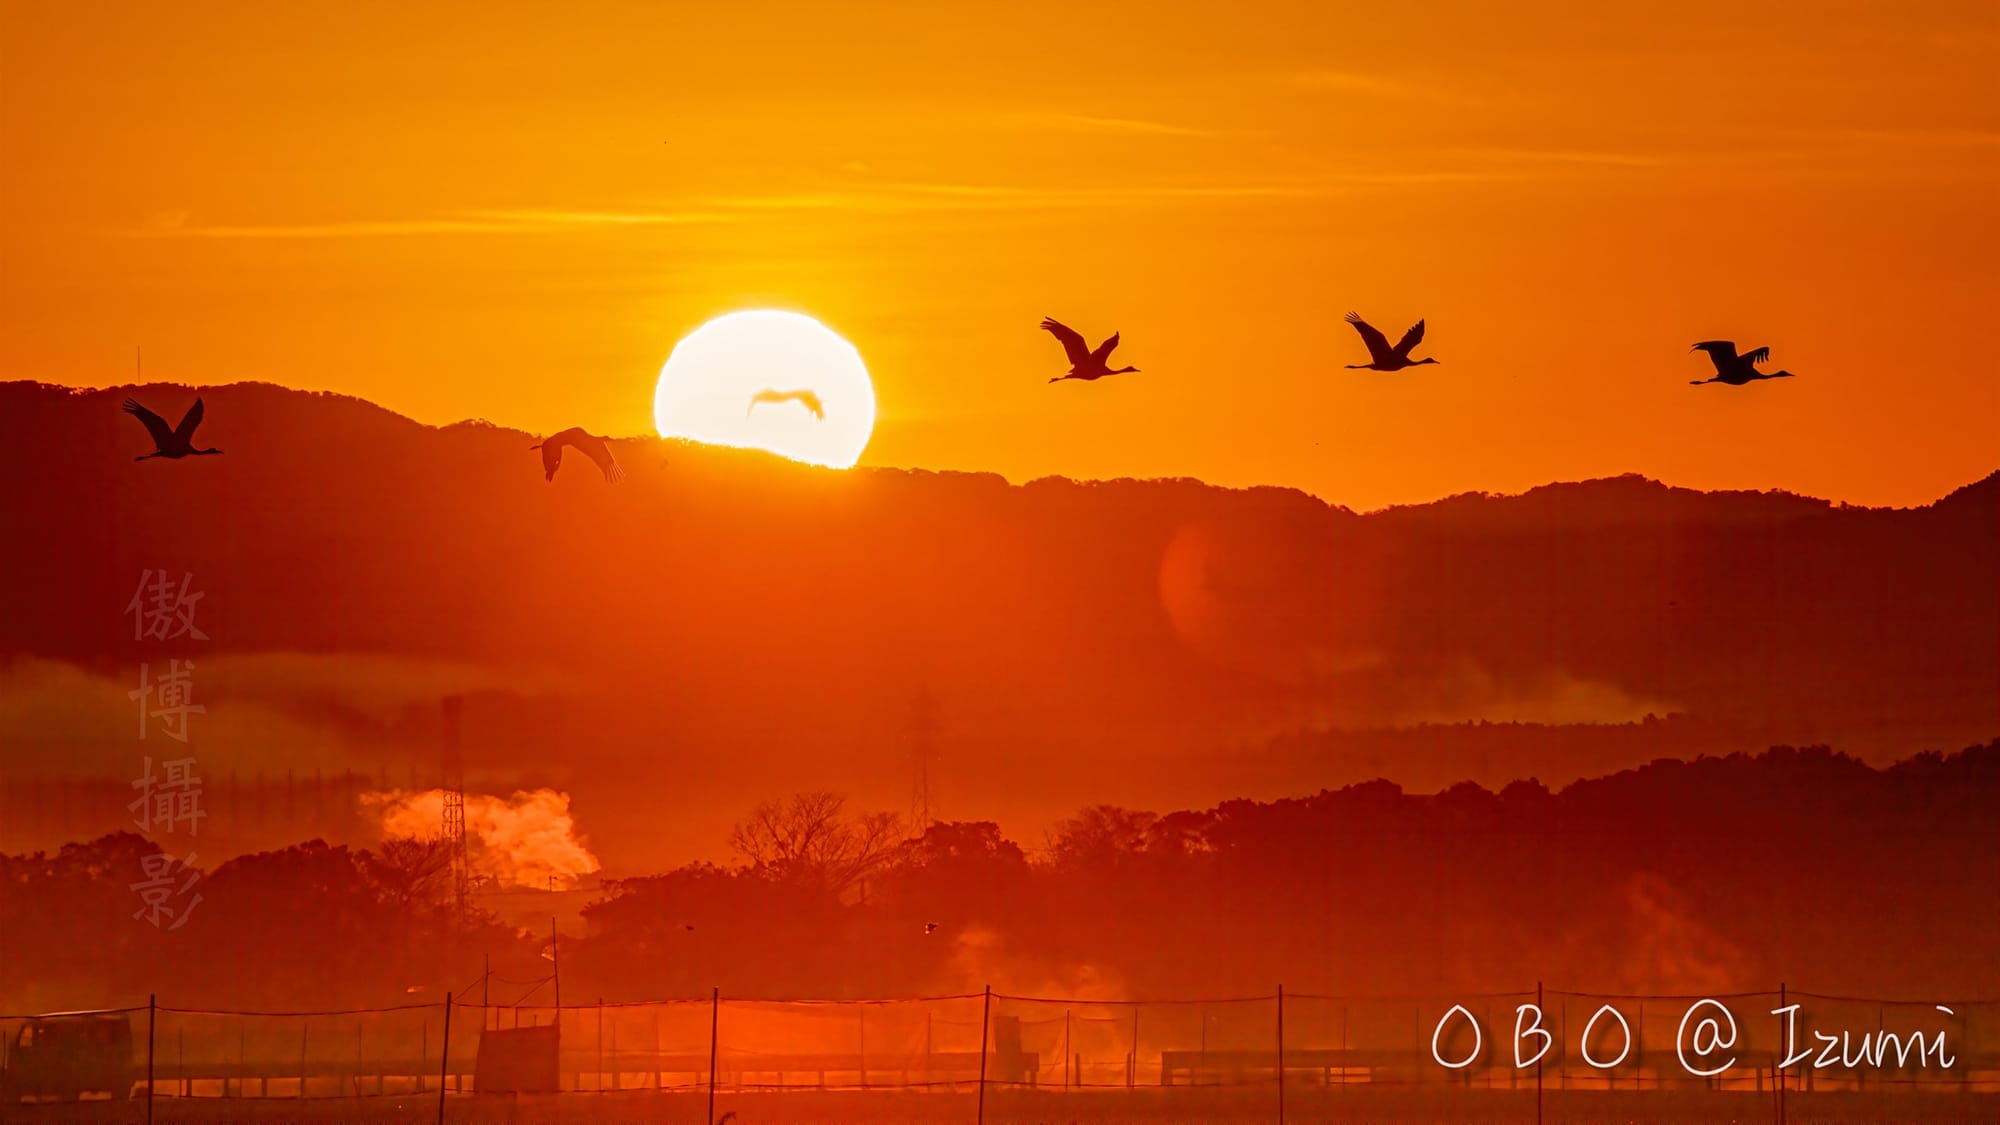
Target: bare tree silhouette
<point>808,840</point>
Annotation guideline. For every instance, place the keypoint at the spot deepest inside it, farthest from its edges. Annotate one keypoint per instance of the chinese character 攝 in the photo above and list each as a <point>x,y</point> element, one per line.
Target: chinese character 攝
<point>176,800</point>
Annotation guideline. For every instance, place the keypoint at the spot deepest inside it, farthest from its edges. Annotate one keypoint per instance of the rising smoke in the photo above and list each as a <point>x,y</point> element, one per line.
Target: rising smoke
<point>524,840</point>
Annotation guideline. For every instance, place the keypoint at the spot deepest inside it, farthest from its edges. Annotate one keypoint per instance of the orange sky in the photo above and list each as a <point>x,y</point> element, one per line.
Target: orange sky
<point>469,211</point>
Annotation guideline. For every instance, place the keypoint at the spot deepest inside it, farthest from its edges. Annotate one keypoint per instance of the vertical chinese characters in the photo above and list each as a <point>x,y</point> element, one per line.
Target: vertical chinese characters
<point>163,610</point>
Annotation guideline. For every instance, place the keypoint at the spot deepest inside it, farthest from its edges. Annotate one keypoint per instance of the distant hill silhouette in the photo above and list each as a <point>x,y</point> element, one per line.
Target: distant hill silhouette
<point>743,624</point>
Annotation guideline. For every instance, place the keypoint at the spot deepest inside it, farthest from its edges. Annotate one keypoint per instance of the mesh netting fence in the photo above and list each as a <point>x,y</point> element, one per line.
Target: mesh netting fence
<point>1256,1055</point>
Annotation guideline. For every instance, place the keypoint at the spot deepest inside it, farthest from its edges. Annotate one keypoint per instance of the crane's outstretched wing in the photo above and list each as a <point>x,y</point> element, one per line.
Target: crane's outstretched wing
<point>1756,355</point>
<point>1410,340</point>
<point>155,425</point>
<point>805,398</point>
<point>1103,352</point>
<point>594,448</point>
<point>185,431</point>
<point>1073,345</point>
<point>1722,353</point>
<point>1378,344</point>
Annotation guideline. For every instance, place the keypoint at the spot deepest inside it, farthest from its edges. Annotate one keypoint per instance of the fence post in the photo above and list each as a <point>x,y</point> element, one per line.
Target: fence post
<point>714,1022</point>
<point>152,1009</point>
<point>1785,1051</point>
<point>985,1023</point>
<point>445,1055</point>
<point>1132,1060</point>
<point>1067,1048</point>
<point>1281,1055</point>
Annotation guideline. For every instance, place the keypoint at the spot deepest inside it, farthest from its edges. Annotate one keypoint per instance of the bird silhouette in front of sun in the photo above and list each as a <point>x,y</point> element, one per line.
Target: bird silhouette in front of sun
<point>1084,363</point>
<point>1382,357</point>
<point>172,444</point>
<point>584,443</point>
<point>805,398</point>
<point>1732,369</point>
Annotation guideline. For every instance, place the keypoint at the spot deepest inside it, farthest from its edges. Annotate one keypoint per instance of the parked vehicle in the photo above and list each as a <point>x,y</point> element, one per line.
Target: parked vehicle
<point>62,1057</point>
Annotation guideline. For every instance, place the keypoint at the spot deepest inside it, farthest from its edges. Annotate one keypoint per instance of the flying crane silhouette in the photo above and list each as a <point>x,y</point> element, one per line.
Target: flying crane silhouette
<point>1733,369</point>
<point>805,398</point>
<point>1382,357</point>
<point>584,443</point>
<point>175,443</point>
<point>1083,363</point>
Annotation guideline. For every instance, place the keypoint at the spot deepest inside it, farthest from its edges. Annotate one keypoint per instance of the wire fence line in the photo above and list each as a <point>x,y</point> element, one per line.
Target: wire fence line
<point>1296,1045</point>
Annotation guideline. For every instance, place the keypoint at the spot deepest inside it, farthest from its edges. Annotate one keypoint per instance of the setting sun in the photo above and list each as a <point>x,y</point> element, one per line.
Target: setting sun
<point>1259,563</point>
<point>764,379</point>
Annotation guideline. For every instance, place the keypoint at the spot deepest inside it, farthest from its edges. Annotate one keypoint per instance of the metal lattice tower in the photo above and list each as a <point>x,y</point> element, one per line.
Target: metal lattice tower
<point>454,805</point>
<point>923,751</point>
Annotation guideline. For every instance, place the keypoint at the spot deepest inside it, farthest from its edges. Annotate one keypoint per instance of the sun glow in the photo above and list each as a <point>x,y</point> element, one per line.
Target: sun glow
<point>764,379</point>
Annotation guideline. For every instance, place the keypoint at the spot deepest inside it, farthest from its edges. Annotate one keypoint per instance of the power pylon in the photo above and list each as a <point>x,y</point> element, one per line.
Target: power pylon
<point>924,727</point>
<point>454,804</point>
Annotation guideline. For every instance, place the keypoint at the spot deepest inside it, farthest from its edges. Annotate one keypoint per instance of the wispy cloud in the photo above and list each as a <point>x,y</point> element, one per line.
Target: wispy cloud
<point>179,224</point>
<point>1942,138</point>
<point>1351,82</point>
<point>858,197</point>
<point>903,197</point>
<point>1085,123</point>
<point>1561,156</point>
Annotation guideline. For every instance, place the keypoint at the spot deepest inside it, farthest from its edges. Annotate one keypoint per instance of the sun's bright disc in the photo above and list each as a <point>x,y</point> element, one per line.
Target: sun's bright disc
<point>753,379</point>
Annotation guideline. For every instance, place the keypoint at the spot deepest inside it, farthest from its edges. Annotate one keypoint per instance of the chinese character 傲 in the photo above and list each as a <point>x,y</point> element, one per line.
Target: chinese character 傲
<point>161,611</point>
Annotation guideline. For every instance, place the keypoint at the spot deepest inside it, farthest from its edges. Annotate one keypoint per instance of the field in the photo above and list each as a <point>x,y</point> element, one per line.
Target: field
<point>1018,1107</point>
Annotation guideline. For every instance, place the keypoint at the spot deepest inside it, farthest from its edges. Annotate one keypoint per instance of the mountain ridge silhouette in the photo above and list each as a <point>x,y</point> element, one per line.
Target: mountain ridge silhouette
<point>740,624</point>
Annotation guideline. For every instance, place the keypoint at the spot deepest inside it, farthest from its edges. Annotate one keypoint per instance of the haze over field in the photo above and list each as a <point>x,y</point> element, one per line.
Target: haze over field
<point>726,627</point>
